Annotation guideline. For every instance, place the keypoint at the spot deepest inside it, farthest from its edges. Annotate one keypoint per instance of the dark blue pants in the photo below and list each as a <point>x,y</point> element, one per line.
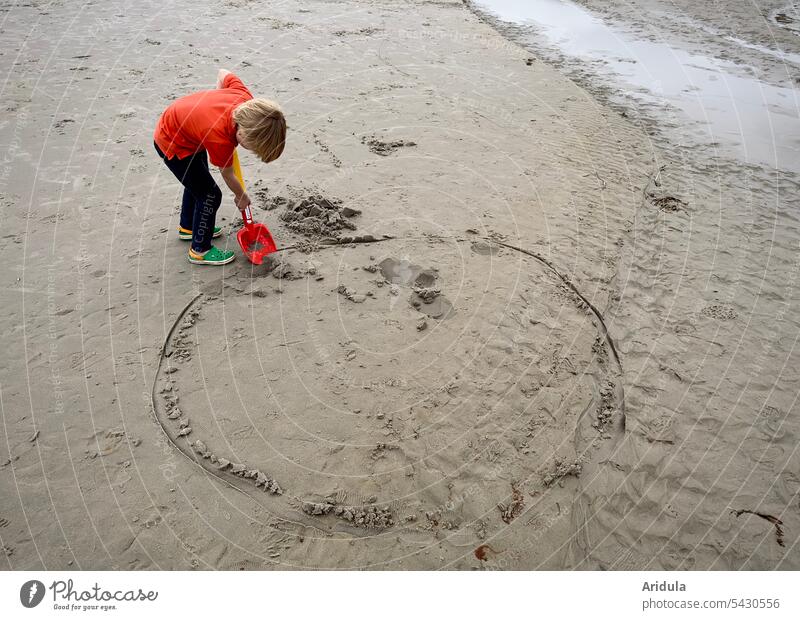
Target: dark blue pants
<point>201,196</point>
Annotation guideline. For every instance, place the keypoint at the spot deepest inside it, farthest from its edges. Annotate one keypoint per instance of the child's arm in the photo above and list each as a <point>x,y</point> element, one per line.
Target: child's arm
<point>241,198</point>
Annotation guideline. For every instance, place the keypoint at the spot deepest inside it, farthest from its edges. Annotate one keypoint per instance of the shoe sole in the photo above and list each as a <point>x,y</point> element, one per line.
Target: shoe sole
<point>200,261</point>
<point>189,237</point>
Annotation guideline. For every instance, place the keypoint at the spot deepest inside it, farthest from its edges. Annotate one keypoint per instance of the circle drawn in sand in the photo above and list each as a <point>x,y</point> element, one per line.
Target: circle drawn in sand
<point>446,434</point>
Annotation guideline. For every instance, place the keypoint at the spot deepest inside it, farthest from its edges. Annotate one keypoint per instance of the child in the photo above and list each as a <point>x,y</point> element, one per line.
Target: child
<point>214,122</point>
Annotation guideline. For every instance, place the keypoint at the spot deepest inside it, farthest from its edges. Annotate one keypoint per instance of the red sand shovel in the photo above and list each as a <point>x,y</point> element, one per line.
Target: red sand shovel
<point>255,239</point>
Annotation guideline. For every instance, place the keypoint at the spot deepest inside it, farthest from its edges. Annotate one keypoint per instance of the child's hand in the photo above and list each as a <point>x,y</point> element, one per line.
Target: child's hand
<point>221,77</point>
<point>243,201</point>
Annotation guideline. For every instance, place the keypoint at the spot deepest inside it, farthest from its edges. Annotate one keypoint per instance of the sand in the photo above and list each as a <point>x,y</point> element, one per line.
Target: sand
<point>476,377</point>
<point>705,320</point>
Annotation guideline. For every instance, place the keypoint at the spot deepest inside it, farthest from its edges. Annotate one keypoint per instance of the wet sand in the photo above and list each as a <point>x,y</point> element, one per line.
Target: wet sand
<point>477,376</point>
<point>714,94</point>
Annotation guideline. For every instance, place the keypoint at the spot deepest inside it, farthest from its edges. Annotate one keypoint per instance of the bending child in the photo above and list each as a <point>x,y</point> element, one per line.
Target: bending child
<point>209,125</point>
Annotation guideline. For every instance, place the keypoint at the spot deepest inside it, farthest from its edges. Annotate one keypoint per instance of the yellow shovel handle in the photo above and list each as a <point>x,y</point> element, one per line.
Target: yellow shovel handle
<point>237,168</point>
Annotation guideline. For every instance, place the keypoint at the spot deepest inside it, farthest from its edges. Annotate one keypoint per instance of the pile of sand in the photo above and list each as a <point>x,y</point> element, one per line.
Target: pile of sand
<point>317,216</point>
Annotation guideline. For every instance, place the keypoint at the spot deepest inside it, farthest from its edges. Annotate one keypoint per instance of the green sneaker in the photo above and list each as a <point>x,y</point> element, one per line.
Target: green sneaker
<point>184,234</point>
<point>213,257</point>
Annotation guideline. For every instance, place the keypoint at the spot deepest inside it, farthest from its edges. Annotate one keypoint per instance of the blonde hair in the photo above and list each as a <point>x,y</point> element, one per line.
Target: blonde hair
<point>263,127</point>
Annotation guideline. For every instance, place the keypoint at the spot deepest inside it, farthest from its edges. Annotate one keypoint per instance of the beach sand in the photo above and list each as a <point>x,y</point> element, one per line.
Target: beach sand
<point>706,475</point>
<point>472,372</point>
